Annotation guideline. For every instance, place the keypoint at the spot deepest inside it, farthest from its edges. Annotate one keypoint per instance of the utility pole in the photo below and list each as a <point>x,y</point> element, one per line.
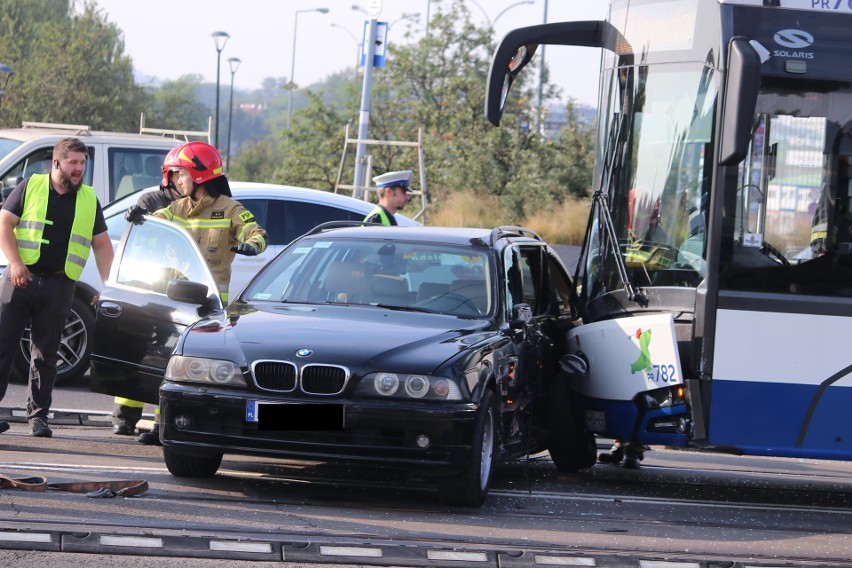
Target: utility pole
<point>360,182</point>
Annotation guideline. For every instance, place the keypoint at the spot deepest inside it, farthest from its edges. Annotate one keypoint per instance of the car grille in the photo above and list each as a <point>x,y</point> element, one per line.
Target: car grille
<point>274,375</point>
<point>283,376</point>
<point>323,379</point>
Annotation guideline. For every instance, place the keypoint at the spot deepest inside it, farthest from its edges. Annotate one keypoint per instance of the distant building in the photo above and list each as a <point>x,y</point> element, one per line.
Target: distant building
<point>556,117</point>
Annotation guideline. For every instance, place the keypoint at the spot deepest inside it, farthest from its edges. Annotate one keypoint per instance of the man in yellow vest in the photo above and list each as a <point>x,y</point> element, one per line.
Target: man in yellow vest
<point>48,226</point>
<point>394,194</point>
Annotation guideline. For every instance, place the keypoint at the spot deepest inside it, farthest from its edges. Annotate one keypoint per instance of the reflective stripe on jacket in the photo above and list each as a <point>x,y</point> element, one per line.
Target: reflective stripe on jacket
<point>216,224</point>
<point>29,233</point>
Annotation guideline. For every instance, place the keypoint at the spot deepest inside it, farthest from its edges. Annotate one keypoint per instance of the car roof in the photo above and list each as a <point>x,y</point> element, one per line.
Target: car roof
<point>249,190</point>
<point>469,236</point>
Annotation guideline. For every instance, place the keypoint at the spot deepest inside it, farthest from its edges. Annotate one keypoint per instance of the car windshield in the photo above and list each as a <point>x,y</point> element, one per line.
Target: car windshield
<point>417,276</point>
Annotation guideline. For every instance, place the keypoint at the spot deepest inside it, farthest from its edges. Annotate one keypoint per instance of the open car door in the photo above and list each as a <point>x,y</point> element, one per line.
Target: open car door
<point>159,284</point>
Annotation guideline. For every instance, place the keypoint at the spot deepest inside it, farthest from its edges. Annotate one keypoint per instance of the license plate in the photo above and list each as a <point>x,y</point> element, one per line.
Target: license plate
<point>271,416</point>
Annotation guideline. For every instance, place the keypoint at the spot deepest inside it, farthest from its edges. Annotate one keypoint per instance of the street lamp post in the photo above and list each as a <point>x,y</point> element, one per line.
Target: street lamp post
<point>8,72</point>
<point>220,39</point>
<point>234,64</point>
<point>293,59</point>
<point>358,48</point>
<point>539,118</point>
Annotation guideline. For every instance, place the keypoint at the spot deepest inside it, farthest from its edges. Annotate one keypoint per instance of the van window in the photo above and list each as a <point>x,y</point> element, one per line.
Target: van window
<point>133,169</point>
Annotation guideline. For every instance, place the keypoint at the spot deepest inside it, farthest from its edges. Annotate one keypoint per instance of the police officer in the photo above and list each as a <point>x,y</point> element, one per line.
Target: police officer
<point>127,412</point>
<point>394,194</point>
<point>48,226</point>
<point>221,226</point>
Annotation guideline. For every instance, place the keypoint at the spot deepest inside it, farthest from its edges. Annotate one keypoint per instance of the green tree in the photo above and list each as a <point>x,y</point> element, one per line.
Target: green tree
<point>175,105</point>
<point>70,66</point>
<point>436,85</point>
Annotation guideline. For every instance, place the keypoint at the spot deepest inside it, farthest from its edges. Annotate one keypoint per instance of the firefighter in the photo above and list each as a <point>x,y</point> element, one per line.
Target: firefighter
<point>127,412</point>
<point>394,194</point>
<point>221,226</point>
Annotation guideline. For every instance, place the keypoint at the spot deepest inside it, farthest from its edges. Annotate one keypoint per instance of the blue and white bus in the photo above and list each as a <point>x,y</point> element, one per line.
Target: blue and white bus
<point>715,284</point>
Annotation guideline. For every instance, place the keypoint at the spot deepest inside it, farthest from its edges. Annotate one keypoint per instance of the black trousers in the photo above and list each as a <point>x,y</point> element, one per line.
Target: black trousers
<point>45,303</point>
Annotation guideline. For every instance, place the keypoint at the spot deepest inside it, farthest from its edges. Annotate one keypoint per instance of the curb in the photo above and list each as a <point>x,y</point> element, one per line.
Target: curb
<point>331,551</point>
<point>68,417</point>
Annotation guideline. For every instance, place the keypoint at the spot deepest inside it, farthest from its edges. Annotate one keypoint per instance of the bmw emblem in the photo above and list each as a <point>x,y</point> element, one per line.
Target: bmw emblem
<point>304,353</point>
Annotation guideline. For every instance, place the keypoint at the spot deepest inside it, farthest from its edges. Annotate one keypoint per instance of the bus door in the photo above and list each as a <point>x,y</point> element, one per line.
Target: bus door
<point>782,367</point>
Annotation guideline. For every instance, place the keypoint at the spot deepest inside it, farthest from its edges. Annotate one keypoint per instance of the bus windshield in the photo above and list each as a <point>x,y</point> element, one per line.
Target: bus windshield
<point>790,228</point>
<point>656,173</point>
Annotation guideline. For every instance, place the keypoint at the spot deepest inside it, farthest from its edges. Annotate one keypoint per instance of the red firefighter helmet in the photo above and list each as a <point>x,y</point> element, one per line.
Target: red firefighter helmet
<point>169,159</point>
<point>200,158</point>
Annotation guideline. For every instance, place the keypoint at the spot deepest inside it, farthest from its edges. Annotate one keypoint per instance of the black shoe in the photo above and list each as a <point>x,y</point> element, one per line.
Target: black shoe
<point>631,463</point>
<point>123,429</point>
<point>613,456</point>
<point>40,428</point>
<point>151,438</point>
<point>3,426</point>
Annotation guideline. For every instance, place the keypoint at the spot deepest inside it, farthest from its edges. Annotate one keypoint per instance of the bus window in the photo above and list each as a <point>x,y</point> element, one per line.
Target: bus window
<point>791,231</point>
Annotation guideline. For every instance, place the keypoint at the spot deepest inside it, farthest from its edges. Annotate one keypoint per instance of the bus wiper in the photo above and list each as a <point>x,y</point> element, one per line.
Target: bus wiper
<point>634,294</point>
<point>601,198</point>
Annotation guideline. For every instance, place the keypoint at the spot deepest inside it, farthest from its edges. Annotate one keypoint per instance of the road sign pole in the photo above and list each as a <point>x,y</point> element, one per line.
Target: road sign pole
<point>360,181</point>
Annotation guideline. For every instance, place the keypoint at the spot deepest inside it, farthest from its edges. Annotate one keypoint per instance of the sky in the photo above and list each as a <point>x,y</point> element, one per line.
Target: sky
<point>168,39</point>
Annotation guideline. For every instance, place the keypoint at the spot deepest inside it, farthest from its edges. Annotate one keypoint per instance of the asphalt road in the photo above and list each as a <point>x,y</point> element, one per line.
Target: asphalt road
<point>682,509</point>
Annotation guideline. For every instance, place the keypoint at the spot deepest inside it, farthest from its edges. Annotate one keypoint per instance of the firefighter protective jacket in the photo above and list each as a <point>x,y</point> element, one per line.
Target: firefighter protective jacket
<point>216,223</point>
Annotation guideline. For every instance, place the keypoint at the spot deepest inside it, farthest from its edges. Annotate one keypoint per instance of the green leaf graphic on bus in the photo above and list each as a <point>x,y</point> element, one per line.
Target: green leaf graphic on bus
<point>643,363</point>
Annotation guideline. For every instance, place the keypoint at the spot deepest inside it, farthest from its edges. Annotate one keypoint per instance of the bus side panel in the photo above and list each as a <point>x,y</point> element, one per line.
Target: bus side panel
<point>782,384</point>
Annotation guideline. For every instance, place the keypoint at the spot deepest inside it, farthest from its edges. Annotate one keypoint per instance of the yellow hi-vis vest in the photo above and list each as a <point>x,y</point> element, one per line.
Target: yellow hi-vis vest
<point>30,230</point>
<point>382,215</point>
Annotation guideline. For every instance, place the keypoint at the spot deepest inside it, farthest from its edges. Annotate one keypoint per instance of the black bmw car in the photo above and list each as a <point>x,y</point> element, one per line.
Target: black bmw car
<point>425,348</point>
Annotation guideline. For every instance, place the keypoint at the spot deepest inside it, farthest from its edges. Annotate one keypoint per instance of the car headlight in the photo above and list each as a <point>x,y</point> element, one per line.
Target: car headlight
<point>402,386</point>
<point>199,370</point>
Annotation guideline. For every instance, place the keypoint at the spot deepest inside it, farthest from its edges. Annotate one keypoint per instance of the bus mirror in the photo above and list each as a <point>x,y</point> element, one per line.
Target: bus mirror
<point>741,90</point>
<point>518,47</point>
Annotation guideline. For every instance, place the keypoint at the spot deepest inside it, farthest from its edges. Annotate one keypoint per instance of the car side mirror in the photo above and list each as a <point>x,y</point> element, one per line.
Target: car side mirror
<point>521,316</point>
<point>187,292</point>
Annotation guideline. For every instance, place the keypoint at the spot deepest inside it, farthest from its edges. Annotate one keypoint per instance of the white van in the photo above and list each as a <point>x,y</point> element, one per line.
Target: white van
<point>119,163</point>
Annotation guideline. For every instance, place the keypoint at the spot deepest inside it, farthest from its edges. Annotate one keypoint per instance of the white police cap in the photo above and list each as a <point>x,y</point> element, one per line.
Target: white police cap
<point>393,179</point>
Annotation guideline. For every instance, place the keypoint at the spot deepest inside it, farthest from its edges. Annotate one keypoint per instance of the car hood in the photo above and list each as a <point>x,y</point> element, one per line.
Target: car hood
<point>353,336</point>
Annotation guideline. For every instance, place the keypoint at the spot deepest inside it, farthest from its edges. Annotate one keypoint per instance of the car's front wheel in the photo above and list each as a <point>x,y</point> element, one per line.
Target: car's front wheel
<point>183,465</point>
<point>75,345</point>
<point>571,445</point>
<point>470,487</point>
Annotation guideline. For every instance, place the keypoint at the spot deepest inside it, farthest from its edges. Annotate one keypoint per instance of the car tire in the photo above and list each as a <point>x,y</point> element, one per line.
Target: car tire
<point>470,487</point>
<point>183,465</point>
<point>571,445</point>
<point>75,346</point>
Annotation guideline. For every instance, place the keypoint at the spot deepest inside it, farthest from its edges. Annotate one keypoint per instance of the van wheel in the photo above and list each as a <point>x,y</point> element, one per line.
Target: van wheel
<point>183,465</point>
<point>470,487</point>
<point>75,346</point>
